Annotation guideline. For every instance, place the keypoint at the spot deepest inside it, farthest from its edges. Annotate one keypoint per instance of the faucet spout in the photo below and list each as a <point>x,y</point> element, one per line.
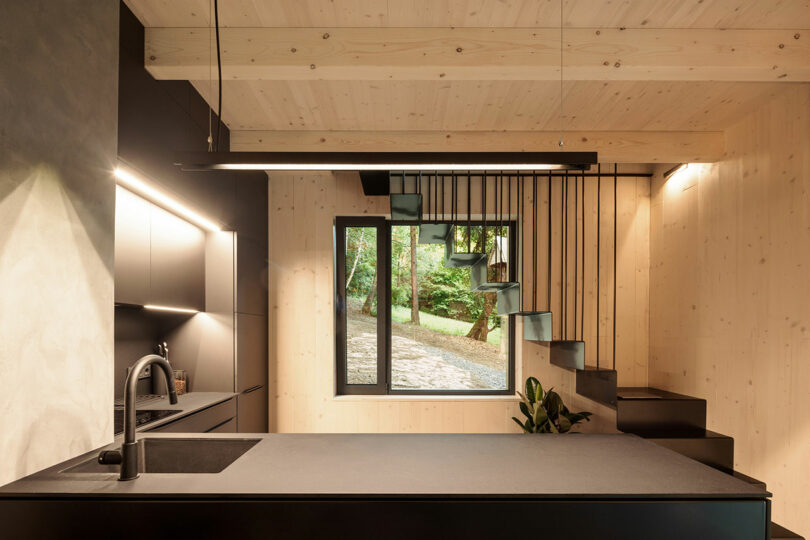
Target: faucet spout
<point>129,450</point>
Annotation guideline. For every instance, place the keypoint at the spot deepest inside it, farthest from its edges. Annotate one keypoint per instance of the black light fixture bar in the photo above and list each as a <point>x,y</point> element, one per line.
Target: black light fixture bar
<point>385,161</point>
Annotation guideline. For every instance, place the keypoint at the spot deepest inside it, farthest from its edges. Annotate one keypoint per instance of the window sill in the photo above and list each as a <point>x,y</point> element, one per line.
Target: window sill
<point>406,397</point>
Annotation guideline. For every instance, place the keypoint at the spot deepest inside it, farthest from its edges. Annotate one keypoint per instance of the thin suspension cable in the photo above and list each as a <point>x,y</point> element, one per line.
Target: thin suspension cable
<point>615,219</point>
<point>561,74</point>
<point>210,74</point>
<point>219,71</point>
<point>598,253</point>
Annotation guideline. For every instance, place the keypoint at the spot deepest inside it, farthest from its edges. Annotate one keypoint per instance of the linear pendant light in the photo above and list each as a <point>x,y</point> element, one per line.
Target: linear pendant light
<point>385,161</point>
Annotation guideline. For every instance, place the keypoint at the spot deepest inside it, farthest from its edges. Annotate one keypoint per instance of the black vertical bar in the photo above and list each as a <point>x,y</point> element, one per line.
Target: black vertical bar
<point>615,219</point>
<point>469,219</point>
<point>534,242</point>
<point>484,213</point>
<point>402,185</point>
<point>562,255</point>
<point>548,262</point>
<point>598,250</point>
<point>582,317</point>
<point>442,197</point>
<point>429,193</point>
<point>576,250</point>
<point>508,216</point>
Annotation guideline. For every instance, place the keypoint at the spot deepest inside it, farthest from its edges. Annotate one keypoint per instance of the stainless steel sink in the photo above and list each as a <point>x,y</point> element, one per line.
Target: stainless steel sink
<point>177,456</point>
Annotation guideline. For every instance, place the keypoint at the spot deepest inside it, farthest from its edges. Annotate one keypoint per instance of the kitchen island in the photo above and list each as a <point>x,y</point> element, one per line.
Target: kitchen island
<point>401,486</point>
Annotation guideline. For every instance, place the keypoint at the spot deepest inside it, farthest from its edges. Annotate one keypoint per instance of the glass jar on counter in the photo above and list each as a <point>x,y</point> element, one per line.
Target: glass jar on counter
<point>180,381</point>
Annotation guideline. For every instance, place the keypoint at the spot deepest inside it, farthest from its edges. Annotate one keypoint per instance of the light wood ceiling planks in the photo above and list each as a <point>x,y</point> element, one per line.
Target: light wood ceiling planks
<point>360,113</point>
<point>479,13</point>
<point>485,105</point>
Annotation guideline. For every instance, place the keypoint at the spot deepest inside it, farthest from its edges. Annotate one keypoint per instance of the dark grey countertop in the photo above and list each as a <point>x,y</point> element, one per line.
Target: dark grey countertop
<point>419,465</point>
<point>187,403</point>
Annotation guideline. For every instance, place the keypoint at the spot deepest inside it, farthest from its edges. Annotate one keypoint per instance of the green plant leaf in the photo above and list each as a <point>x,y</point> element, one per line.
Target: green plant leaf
<point>552,427</point>
<point>518,422</point>
<point>540,415</point>
<point>565,424</point>
<point>529,426</point>
<point>531,385</point>
<point>525,409</point>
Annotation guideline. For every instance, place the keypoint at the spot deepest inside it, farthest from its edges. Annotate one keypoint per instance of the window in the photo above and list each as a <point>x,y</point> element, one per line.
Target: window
<point>407,323</point>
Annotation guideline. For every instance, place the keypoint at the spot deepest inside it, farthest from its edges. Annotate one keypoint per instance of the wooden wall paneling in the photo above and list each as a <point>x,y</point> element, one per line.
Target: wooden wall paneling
<point>302,368</point>
<point>729,315</point>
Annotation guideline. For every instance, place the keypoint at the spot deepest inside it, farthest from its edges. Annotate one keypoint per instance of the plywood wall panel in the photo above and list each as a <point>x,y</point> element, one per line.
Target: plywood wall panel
<point>301,290</point>
<point>729,295</point>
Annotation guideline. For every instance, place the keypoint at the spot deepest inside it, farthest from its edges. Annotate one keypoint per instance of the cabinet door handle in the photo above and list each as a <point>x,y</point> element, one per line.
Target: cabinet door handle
<point>253,388</point>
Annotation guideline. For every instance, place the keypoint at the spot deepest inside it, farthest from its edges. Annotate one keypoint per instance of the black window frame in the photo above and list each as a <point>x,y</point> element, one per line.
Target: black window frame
<point>383,385</point>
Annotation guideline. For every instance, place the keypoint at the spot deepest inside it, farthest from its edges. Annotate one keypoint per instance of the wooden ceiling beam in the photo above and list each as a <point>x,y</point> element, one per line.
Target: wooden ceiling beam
<point>612,146</point>
<point>481,54</point>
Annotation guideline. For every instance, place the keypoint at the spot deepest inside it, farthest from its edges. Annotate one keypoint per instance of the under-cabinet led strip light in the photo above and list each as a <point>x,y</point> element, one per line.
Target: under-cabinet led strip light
<point>132,182</point>
<point>169,308</point>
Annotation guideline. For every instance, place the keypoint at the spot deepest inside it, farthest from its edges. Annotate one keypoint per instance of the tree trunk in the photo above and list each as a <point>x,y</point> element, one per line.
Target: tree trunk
<point>414,284</point>
<point>372,292</point>
<point>356,257</point>
<point>480,329</point>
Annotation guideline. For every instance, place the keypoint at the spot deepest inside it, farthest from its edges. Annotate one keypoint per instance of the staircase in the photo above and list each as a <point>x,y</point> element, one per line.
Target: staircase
<point>671,420</point>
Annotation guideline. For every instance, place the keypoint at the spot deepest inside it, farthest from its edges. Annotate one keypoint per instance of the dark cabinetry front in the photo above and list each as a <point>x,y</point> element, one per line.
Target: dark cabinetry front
<point>159,258</point>
<point>213,418</point>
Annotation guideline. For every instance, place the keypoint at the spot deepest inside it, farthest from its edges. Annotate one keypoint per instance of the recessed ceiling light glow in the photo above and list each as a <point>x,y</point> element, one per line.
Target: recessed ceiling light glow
<point>170,308</point>
<point>132,182</point>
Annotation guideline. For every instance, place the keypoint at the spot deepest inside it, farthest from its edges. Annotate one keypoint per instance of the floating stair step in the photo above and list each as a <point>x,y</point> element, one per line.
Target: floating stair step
<point>641,409</point>
<point>780,533</point>
<point>710,448</point>
<point>509,300</point>
<point>568,354</point>
<point>753,481</point>
<point>434,233</point>
<point>598,384</point>
<point>536,325</point>
<point>478,279</point>
<point>406,206</point>
<point>454,259</point>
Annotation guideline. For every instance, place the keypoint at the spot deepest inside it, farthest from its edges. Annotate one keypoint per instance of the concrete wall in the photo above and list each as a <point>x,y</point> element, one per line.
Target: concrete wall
<point>730,295</point>
<point>58,104</point>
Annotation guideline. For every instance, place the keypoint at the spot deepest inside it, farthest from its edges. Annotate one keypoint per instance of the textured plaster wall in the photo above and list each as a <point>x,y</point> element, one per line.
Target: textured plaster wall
<point>58,133</point>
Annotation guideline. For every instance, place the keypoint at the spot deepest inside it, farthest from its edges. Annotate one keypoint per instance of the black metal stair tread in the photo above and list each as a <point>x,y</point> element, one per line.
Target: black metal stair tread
<point>753,481</point>
<point>678,434</point>
<point>597,384</point>
<point>567,353</point>
<point>645,392</point>
<point>434,233</point>
<point>780,533</point>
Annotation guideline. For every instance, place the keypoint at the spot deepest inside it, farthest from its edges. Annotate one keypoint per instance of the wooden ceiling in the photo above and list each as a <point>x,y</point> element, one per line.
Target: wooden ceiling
<point>307,87</point>
<point>479,13</point>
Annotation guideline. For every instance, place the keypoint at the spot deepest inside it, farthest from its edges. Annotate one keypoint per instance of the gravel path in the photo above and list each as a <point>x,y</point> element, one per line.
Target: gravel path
<point>417,365</point>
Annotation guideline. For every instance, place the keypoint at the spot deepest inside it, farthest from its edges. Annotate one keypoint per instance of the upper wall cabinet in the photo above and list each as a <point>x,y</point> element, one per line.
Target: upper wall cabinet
<point>159,258</point>
<point>132,241</point>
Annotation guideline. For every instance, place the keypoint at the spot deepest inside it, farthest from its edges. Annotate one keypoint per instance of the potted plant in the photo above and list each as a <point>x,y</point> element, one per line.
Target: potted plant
<point>545,411</point>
